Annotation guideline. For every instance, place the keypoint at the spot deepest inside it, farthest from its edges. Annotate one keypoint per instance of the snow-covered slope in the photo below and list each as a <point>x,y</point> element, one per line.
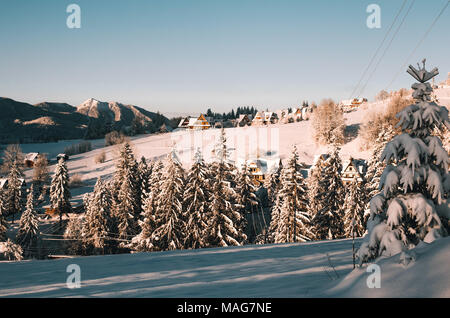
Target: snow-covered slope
<point>286,270</point>
<point>427,276</point>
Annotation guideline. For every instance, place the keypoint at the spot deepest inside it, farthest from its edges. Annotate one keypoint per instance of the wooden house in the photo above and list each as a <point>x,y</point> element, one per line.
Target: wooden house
<point>244,120</point>
<point>195,123</point>
<point>259,119</point>
<point>349,105</point>
<point>30,159</point>
<point>353,169</point>
<point>270,118</point>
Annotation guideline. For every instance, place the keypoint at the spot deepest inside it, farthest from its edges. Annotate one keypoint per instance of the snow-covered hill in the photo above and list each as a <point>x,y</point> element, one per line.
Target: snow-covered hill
<point>316,269</point>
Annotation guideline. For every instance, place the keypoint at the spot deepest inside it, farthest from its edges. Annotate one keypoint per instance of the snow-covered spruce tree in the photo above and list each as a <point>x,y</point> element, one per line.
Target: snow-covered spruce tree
<point>11,251</point>
<point>316,187</point>
<point>294,220</point>
<point>415,180</point>
<point>125,194</point>
<point>13,193</point>
<point>226,224</point>
<point>75,240</point>
<point>273,184</point>
<point>28,234</point>
<point>247,201</point>
<point>375,165</point>
<point>59,190</point>
<point>144,172</point>
<point>99,223</point>
<point>126,179</point>
<point>143,242</point>
<point>275,213</point>
<point>169,232</point>
<point>196,203</point>
<point>354,207</point>
<point>327,220</point>
<point>3,223</point>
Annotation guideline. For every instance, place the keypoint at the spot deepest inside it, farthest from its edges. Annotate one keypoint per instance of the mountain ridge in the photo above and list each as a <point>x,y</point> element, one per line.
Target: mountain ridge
<point>52,121</point>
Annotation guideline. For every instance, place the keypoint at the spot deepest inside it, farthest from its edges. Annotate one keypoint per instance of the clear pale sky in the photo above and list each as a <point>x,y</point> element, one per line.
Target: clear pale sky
<point>189,55</point>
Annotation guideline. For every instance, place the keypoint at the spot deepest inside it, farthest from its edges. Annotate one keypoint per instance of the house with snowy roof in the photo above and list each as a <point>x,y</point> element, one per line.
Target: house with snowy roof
<point>353,169</point>
<point>270,117</point>
<point>259,167</point>
<point>259,119</point>
<point>244,120</point>
<point>30,159</point>
<point>195,123</point>
<point>349,105</point>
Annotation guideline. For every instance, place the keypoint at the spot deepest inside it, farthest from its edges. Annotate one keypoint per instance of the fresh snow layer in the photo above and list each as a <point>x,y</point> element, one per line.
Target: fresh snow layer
<point>287,270</point>
<point>426,275</point>
<point>315,269</point>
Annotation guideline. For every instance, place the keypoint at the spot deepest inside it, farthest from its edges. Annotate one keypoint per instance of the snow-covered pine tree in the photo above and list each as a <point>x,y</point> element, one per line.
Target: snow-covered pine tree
<point>169,232</point>
<point>75,240</point>
<point>316,187</point>
<point>125,194</point>
<point>145,172</point>
<point>99,223</point>
<point>275,213</point>
<point>294,220</point>
<point>11,251</point>
<point>328,215</point>
<point>273,184</point>
<point>13,193</point>
<point>28,234</point>
<point>59,190</point>
<point>143,242</point>
<point>354,207</point>
<point>196,203</point>
<point>3,223</point>
<point>226,223</point>
<point>375,165</point>
<point>126,179</point>
<point>247,202</point>
<point>415,181</point>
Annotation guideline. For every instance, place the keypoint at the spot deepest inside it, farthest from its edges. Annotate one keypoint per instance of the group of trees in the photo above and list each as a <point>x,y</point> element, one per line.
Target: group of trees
<point>233,114</point>
<point>318,208</point>
<point>27,242</point>
<point>156,206</point>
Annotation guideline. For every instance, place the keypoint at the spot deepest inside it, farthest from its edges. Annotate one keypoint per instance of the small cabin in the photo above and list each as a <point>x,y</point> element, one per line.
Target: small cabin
<point>30,159</point>
<point>353,169</point>
<point>244,120</point>
<point>270,117</point>
<point>259,119</point>
<point>352,104</point>
<point>195,123</point>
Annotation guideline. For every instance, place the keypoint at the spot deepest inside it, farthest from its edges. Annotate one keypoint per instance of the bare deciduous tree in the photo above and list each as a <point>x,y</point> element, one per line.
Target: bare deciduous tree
<point>328,123</point>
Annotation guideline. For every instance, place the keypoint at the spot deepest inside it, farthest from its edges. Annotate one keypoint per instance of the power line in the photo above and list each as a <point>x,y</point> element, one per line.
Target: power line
<point>378,49</point>
<point>419,44</point>
<point>387,48</point>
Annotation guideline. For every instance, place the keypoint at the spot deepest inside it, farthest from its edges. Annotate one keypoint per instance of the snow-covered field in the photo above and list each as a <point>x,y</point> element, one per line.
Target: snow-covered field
<point>286,270</point>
